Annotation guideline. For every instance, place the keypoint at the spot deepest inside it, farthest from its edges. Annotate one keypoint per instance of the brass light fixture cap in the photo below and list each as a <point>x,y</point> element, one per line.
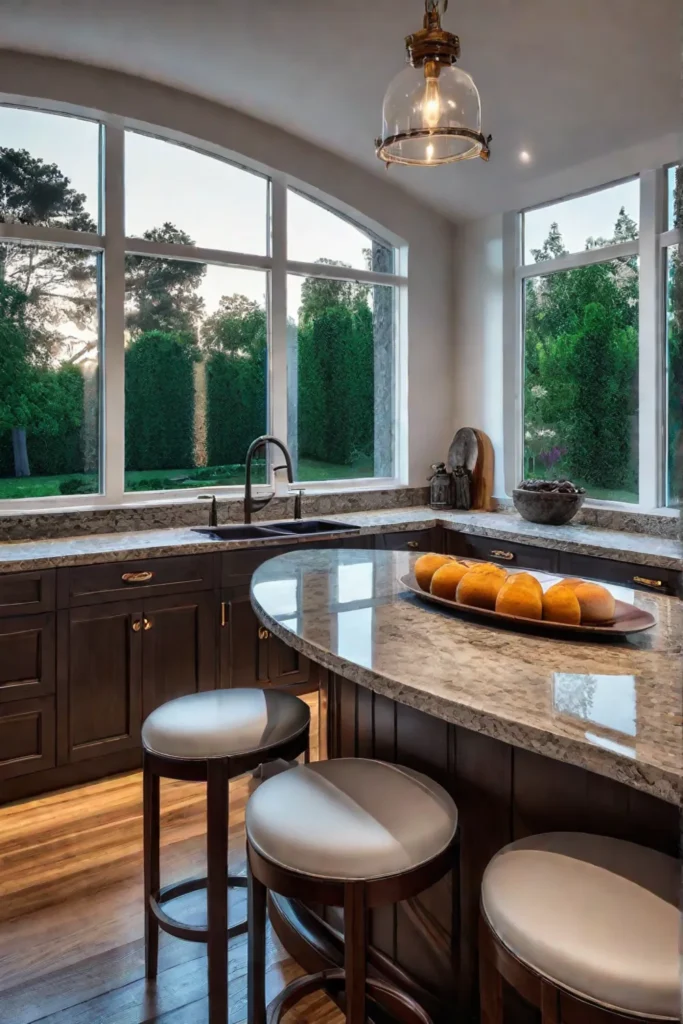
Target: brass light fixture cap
<point>432,42</point>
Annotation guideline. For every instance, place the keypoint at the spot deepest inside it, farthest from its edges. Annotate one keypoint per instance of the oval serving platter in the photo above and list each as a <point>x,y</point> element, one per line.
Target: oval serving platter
<point>627,618</point>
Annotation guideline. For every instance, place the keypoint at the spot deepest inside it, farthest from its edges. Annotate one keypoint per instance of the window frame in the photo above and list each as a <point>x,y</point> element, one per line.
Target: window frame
<point>650,247</point>
<point>113,244</point>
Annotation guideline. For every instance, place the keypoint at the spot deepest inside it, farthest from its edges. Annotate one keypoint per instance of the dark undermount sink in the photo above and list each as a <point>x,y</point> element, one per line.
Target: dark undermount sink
<point>238,531</point>
<point>253,531</point>
<point>306,527</point>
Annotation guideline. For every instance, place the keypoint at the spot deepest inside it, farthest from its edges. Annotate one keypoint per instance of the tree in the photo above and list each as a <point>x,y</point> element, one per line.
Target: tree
<point>57,285</point>
<point>552,247</point>
<point>581,348</point>
<point>235,339</point>
<point>161,294</point>
<point>159,402</point>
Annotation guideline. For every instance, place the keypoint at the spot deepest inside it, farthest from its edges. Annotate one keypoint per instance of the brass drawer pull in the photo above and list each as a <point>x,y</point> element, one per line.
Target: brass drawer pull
<point>412,543</point>
<point>136,625</point>
<point>137,577</point>
<point>507,555</point>
<point>224,613</point>
<point>263,633</point>
<point>645,582</point>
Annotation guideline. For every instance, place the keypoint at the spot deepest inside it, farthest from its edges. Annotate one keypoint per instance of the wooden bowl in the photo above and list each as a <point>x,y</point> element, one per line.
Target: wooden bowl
<point>551,507</point>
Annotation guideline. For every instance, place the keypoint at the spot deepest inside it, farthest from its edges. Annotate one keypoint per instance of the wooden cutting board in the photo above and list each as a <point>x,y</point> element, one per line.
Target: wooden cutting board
<point>473,449</point>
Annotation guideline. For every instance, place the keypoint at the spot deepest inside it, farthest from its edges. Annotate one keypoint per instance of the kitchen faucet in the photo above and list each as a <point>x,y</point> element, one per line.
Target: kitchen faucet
<point>256,504</point>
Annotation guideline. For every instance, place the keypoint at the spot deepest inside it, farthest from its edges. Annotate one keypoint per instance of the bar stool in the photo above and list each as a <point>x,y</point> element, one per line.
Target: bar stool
<point>210,737</point>
<point>583,927</point>
<point>349,833</point>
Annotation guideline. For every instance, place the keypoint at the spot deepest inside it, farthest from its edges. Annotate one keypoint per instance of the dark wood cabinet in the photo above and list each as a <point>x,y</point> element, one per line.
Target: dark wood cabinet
<point>99,680</point>
<point>27,737</point>
<point>249,654</point>
<point>26,593</point>
<point>503,552</point>
<point>27,657</point>
<point>411,540</point>
<point>178,647</point>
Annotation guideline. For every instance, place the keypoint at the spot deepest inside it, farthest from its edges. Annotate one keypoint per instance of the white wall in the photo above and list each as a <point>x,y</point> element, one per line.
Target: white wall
<point>478,352</point>
<point>429,237</point>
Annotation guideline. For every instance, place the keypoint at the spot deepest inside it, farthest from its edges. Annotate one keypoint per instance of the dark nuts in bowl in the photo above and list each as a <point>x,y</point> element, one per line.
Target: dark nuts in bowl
<point>553,502</point>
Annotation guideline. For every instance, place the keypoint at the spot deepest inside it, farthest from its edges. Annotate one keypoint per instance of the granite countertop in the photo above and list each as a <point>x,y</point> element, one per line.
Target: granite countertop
<point>615,708</point>
<point>118,547</point>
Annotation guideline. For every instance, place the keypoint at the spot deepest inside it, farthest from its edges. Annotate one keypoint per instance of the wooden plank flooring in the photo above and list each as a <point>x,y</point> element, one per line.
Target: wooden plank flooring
<point>71,923</point>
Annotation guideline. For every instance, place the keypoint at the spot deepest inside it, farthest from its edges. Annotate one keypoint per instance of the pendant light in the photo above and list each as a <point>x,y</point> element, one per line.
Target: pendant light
<point>432,110</point>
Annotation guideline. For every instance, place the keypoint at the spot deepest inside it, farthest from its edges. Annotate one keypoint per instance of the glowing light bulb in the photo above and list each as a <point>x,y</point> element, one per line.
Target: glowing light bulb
<point>430,152</point>
<point>431,105</point>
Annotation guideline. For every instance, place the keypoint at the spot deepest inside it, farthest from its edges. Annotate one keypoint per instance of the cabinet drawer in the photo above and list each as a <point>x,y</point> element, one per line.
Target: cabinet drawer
<point>628,574</point>
<point>94,584</point>
<point>502,552</point>
<point>237,567</point>
<point>410,540</point>
<point>23,593</point>
<point>27,737</point>
<point>27,657</point>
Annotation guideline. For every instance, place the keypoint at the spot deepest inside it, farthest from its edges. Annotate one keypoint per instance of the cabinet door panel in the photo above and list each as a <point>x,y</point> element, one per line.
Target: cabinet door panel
<point>99,681</point>
<point>249,654</point>
<point>25,593</point>
<point>27,657</point>
<point>27,737</point>
<point>179,648</point>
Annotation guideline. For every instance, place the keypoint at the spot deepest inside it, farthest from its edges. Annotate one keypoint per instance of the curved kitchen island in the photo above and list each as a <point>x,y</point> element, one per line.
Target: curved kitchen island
<point>530,733</point>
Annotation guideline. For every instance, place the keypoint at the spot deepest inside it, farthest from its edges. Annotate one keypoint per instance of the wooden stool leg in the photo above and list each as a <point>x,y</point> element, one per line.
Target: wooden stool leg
<point>491,1007</point>
<point>256,949</point>
<point>355,951</point>
<point>217,889</point>
<point>152,882</point>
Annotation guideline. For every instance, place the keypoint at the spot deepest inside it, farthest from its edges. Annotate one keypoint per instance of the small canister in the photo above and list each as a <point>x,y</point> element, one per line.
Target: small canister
<point>441,487</point>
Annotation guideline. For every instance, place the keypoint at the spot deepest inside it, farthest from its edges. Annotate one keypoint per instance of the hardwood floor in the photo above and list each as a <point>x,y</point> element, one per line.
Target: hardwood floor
<point>71,922</point>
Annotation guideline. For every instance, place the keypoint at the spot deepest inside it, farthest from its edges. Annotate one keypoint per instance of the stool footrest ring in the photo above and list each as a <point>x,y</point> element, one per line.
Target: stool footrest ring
<point>191,932</point>
<point>402,1006</point>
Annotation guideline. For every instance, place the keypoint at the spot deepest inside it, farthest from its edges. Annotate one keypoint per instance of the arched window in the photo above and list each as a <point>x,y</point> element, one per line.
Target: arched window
<point>161,306</point>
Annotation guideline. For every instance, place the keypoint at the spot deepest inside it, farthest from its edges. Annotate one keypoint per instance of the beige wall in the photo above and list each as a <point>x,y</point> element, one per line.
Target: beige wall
<point>429,237</point>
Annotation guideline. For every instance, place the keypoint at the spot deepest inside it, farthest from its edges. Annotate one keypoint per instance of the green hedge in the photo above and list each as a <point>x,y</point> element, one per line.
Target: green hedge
<point>336,384</point>
<point>235,404</point>
<point>159,402</point>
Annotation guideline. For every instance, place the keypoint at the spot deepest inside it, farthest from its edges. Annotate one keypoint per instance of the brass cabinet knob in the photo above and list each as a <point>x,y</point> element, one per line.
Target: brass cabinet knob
<point>508,556</point>
<point>137,577</point>
<point>645,582</point>
<point>263,633</point>
<point>136,625</point>
<point>147,623</point>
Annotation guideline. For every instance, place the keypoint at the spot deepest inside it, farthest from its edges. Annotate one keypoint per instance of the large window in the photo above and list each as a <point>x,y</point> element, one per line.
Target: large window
<point>592,338</point>
<point>152,323</point>
<point>674,324</point>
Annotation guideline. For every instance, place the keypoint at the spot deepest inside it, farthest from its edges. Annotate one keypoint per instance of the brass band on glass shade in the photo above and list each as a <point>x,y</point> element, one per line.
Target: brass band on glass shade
<point>432,110</point>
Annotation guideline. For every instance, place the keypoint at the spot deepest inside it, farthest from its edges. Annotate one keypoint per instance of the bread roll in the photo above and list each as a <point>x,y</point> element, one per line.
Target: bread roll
<point>489,567</point>
<point>479,589</point>
<point>525,579</point>
<point>560,604</point>
<point>446,578</point>
<point>596,602</point>
<point>571,581</point>
<point>519,599</point>
<point>426,566</point>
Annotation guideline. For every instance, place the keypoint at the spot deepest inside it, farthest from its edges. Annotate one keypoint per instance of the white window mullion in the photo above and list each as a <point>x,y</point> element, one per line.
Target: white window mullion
<point>651,359</point>
<point>114,292</point>
<point>278,313</point>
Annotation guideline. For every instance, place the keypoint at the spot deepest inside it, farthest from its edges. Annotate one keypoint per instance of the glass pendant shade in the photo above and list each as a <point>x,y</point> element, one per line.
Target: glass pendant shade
<point>431,119</point>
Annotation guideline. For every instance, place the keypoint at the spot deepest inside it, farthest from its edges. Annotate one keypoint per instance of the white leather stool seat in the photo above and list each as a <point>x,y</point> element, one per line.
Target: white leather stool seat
<point>594,915</point>
<point>220,723</point>
<point>350,818</point>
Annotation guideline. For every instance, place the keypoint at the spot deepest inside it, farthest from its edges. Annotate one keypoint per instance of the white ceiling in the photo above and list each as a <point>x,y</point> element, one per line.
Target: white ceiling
<point>566,80</point>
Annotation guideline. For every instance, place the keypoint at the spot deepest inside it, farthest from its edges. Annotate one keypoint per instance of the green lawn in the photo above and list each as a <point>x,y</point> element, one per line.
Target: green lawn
<point>169,479</point>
